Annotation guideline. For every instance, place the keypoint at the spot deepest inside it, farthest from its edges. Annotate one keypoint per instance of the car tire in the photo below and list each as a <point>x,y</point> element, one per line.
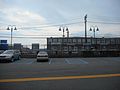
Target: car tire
<point>19,57</point>
<point>12,59</point>
<point>38,60</point>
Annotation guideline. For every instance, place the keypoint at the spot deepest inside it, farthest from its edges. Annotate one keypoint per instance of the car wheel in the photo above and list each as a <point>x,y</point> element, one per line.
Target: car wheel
<point>19,57</point>
<point>12,59</point>
<point>38,60</point>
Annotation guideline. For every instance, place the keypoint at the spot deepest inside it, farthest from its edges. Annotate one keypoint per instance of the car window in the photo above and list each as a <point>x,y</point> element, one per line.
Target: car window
<point>42,53</point>
<point>8,52</point>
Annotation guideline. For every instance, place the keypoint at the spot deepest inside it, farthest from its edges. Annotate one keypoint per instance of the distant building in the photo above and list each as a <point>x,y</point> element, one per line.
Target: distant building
<point>76,46</point>
<point>3,41</point>
<point>35,47</point>
<point>3,45</point>
<point>17,46</point>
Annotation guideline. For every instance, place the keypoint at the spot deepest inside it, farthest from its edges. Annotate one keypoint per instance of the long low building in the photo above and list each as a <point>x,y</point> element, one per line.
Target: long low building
<point>76,46</point>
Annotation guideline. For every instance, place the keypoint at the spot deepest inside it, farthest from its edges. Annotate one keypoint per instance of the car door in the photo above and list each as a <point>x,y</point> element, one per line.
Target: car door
<point>15,55</point>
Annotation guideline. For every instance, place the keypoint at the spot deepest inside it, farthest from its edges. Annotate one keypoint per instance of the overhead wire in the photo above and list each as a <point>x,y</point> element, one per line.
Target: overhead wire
<point>69,23</point>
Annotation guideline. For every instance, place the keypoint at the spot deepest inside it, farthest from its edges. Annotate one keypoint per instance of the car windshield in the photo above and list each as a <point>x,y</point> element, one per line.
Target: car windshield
<point>8,52</point>
<point>42,53</point>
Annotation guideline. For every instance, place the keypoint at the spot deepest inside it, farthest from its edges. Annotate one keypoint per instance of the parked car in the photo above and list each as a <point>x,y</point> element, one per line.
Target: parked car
<point>1,51</point>
<point>42,56</point>
<point>10,55</point>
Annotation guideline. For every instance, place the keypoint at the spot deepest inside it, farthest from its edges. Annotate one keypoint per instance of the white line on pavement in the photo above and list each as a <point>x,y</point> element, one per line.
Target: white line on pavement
<point>83,61</point>
<point>67,61</point>
<point>50,61</point>
<point>30,62</point>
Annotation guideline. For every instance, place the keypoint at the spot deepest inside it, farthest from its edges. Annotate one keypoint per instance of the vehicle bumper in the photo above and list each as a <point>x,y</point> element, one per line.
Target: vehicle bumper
<point>5,59</point>
<point>42,58</point>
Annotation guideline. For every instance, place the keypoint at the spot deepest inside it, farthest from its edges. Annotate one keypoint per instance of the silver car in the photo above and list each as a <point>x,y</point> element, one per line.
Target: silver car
<point>10,55</point>
<point>42,56</point>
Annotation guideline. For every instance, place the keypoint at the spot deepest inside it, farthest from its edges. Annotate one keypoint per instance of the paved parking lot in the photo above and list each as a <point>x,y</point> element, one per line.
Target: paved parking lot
<point>102,61</point>
<point>102,73</point>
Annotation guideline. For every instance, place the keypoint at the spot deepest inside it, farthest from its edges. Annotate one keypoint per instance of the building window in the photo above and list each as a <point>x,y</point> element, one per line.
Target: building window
<point>98,41</point>
<point>102,40</point>
<point>65,40</point>
<point>75,49</point>
<point>54,48</point>
<point>107,41</point>
<point>59,40</point>
<point>55,40</point>
<point>117,41</point>
<point>70,48</point>
<point>88,40</point>
<point>49,40</point>
<point>69,40</point>
<point>112,41</point>
<point>83,40</point>
<point>74,40</point>
<point>65,48</point>
<point>79,41</point>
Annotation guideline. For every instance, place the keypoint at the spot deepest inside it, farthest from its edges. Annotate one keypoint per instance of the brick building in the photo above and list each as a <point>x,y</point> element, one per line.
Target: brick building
<point>76,47</point>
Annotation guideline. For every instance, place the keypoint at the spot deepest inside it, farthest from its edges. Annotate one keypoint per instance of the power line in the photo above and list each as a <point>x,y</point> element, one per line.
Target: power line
<point>54,25</point>
<point>70,23</point>
<point>25,37</point>
<point>104,22</point>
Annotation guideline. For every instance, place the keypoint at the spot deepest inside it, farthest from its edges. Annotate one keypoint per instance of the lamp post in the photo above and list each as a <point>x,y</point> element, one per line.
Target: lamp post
<point>64,28</point>
<point>94,29</point>
<point>11,28</point>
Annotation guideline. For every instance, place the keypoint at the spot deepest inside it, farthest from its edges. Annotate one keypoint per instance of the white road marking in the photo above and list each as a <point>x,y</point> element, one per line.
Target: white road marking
<point>67,61</point>
<point>50,61</point>
<point>83,61</point>
<point>30,62</point>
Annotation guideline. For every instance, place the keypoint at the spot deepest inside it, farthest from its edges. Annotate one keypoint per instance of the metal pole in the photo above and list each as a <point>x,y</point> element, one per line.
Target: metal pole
<point>63,33</point>
<point>94,32</point>
<point>11,28</point>
<point>11,37</point>
<point>85,18</point>
<point>67,33</point>
<point>63,29</point>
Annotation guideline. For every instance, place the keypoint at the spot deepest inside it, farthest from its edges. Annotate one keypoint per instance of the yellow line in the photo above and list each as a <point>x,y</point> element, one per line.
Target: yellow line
<point>59,78</point>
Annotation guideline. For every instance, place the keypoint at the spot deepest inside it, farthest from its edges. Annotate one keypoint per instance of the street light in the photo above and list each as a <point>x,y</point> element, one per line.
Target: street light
<point>94,29</point>
<point>64,28</point>
<point>11,27</point>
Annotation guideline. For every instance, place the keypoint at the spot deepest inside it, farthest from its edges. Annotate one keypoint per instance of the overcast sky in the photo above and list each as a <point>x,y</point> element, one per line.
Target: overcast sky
<point>42,18</point>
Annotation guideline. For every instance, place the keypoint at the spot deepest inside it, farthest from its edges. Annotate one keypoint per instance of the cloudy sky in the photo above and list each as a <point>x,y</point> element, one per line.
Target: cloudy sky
<point>37,19</point>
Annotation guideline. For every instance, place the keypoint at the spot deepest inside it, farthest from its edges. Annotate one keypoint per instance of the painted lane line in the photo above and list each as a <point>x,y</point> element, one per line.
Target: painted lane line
<point>60,78</point>
<point>67,61</point>
<point>83,61</point>
<point>50,61</point>
<point>30,62</point>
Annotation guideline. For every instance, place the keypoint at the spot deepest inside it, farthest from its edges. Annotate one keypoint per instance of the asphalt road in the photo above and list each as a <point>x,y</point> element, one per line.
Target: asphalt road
<point>61,74</point>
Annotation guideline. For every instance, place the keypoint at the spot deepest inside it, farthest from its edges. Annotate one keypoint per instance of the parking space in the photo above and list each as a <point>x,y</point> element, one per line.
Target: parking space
<point>103,60</point>
<point>75,72</point>
<point>76,61</point>
<point>81,61</point>
<point>24,61</point>
<point>57,61</point>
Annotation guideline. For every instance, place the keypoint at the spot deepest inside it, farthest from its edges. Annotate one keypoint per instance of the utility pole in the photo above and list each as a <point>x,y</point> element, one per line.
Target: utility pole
<point>85,18</point>
<point>67,33</point>
<point>64,28</point>
<point>94,29</point>
<point>11,28</point>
